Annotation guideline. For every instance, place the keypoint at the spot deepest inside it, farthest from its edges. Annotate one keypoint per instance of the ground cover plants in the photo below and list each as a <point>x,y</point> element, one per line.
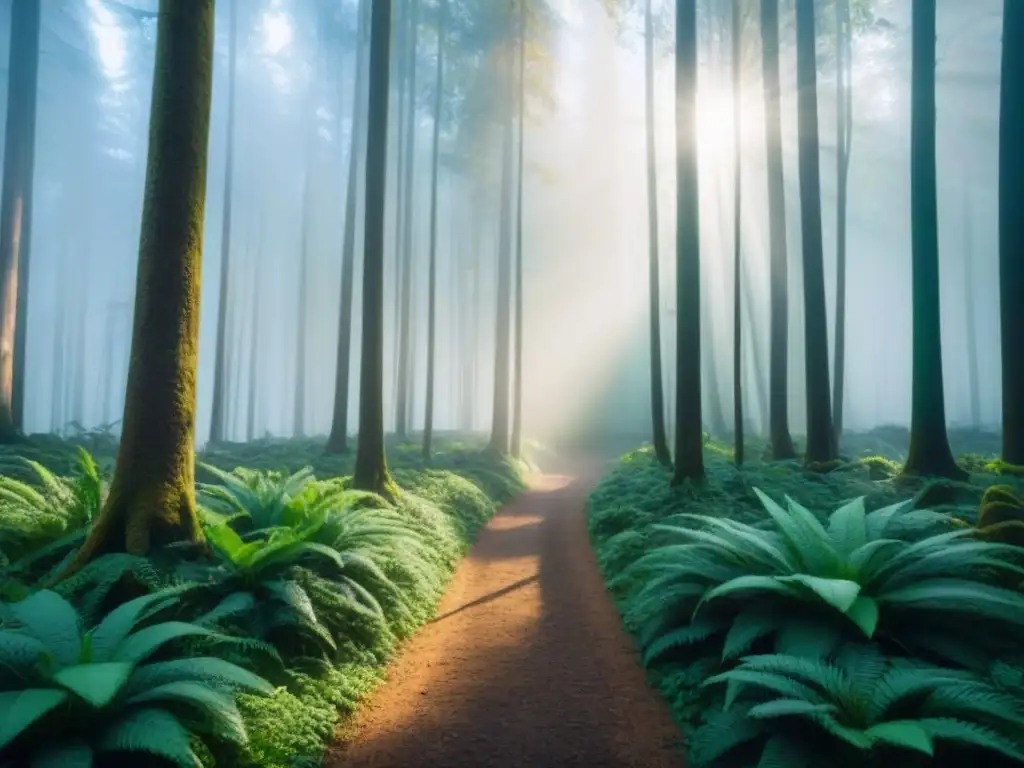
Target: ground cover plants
<point>248,654</point>
<point>788,614</point>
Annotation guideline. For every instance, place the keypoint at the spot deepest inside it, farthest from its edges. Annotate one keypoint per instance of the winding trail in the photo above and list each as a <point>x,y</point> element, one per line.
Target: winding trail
<point>526,664</point>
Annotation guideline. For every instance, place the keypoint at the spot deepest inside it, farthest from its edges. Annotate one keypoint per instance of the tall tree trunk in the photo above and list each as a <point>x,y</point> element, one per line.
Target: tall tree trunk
<point>1011,232</point>
<point>737,306</point>
<point>929,452</point>
<point>689,437</point>
<point>301,336</point>
<point>217,411</point>
<point>778,386</point>
<point>516,446</point>
<point>661,450</point>
<point>254,346</point>
<point>428,419</point>
<point>844,135</point>
<point>404,373</point>
<point>152,495</point>
<point>752,328</point>
<point>820,442</point>
<point>970,317</point>
<point>371,470</point>
<point>16,210</point>
<point>337,441</point>
<point>499,441</point>
<point>401,62</point>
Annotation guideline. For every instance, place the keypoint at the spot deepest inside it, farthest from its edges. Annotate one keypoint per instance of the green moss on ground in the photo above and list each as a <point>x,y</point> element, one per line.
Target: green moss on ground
<point>636,496</point>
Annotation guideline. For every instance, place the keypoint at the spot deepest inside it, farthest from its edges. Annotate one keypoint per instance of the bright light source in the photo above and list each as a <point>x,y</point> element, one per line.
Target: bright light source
<point>109,38</point>
<point>277,32</point>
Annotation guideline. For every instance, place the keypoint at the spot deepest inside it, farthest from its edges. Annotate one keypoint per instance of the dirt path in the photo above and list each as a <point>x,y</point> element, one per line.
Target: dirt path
<point>525,666</point>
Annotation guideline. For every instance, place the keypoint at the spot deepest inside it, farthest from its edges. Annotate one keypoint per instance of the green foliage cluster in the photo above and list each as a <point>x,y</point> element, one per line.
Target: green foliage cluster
<point>247,656</point>
<point>853,621</point>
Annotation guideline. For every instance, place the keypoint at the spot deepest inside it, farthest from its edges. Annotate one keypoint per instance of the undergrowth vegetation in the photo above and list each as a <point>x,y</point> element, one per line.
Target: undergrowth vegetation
<point>787,614</point>
<point>248,655</point>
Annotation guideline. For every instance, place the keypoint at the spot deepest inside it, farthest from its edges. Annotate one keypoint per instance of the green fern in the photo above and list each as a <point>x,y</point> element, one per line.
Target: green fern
<point>70,693</point>
<point>861,707</point>
<point>808,586</point>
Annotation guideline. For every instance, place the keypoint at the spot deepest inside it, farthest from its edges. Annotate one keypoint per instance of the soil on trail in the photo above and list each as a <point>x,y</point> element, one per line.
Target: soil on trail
<point>526,664</point>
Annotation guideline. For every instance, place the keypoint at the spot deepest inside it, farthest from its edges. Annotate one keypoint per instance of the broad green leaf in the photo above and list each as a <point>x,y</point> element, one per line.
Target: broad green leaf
<point>839,593</point>
<point>98,683</point>
<point>53,621</point>
<point>864,613</point>
<point>902,733</point>
<point>20,709</point>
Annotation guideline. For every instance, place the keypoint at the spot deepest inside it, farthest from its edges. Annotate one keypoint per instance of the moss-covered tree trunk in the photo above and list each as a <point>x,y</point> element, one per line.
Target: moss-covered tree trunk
<point>737,220</point>
<point>371,470</point>
<point>337,441</point>
<point>220,366</point>
<point>1011,231</point>
<point>16,210</point>
<point>778,363</point>
<point>428,418</point>
<point>152,495</point>
<point>658,433</point>
<point>689,438</point>
<point>516,441</point>
<point>499,442</point>
<point>929,452</point>
<point>820,440</point>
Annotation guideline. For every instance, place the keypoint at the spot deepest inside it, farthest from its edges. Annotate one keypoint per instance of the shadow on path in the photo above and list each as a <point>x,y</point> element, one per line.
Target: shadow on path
<point>526,664</point>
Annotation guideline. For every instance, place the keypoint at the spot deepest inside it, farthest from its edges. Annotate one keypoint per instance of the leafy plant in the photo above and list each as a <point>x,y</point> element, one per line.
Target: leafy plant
<point>40,523</point>
<point>861,709</point>
<point>731,586</point>
<point>69,696</point>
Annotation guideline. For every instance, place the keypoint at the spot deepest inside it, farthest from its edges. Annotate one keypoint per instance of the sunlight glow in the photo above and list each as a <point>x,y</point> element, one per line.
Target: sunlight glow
<point>109,39</point>
<point>277,31</point>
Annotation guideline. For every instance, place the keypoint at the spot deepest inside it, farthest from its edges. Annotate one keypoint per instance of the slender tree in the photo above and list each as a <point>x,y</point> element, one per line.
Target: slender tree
<point>929,452</point>
<point>16,209</point>
<point>217,411</point>
<point>1011,232</point>
<point>970,315</point>
<point>499,441</point>
<point>428,420</point>
<point>737,191</point>
<point>301,330</point>
<point>778,364</point>
<point>405,346</point>
<point>371,470</point>
<point>337,441</point>
<point>516,444</point>
<point>689,437</point>
<point>661,449</point>
<point>152,495</point>
<point>254,344</point>
<point>820,439</point>
<point>844,135</point>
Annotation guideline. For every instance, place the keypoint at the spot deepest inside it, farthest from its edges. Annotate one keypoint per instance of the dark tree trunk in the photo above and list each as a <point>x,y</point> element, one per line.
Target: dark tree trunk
<point>16,211</point>
<point>217,411</point>
<point>499,441</point>
<point>337,441</point>
<point>761,382</point>
<point>659,435</point>
<point>844,134</point>
<point>1011,232</point>
<point>371,470</point>
<point>689,438</point>
<point>737,306</point>
<point>820,439</point>
<point>405,314</point>
<point>516,446</point>
<point>929,452</point>
<point>778,387</point>
<point>152,495</point>
<point>428,419</point>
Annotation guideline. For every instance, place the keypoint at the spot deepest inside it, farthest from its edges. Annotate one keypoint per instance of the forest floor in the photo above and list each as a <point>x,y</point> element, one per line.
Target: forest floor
<point>526,663</point>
